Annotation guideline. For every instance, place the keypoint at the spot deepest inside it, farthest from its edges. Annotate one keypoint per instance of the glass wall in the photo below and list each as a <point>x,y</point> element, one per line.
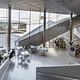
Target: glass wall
<point>3,28</point>
<point>23,22</point>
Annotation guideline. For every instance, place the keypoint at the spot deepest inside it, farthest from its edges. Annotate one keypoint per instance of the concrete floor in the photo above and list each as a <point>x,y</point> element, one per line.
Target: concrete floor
<point>27,70</point>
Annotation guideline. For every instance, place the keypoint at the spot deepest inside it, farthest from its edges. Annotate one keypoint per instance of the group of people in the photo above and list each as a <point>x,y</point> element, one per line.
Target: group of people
<point>76,49</point>
<point>60,43</point>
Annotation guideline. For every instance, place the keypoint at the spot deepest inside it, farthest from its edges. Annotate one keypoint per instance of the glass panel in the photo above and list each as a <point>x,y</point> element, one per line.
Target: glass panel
<point>35,17</point>
<point>2,12</point>
<point>24,14</point>
<point>15,16</point>
<point>34,26</point>
<point>3,28</point>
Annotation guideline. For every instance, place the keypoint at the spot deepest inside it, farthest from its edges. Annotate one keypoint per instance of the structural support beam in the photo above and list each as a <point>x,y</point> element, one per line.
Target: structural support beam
<point>44,31</point>
<point>29,28</point>
<point>71,28</point>
<point>9,28</point>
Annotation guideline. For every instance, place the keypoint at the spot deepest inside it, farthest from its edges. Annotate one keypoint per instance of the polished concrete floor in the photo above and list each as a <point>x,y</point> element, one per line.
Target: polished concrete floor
<point>18,70</point>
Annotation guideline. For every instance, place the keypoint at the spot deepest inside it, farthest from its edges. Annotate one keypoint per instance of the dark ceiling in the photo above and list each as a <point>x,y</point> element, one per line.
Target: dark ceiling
<point>54,6</point>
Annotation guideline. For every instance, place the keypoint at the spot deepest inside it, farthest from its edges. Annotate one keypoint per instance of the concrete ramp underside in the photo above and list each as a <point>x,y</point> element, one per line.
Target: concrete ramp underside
<point>52,31</point>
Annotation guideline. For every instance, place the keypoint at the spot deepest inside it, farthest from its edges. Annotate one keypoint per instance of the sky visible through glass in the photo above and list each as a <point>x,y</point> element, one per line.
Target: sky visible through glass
<point>34,20</point>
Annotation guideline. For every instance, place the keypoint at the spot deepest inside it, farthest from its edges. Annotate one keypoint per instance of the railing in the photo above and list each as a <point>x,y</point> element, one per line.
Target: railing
<point>3,68</point>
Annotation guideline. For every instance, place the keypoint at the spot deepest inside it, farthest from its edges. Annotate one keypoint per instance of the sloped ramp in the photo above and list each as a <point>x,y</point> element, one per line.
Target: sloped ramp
<point>52,31</point>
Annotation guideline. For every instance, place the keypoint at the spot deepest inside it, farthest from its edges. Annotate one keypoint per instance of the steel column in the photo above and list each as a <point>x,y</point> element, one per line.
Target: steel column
<point>71,28</point>
<point>29,28</point>
<point>44,31</point>
<point>9,28</point>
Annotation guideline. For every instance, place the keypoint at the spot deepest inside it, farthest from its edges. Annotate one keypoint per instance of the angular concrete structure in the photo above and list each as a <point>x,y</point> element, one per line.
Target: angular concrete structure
<point>52,31</point>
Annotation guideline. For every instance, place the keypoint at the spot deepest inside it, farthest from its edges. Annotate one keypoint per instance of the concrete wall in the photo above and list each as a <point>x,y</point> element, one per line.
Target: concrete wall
<point>58,73</point>
<point>34,40</point>
<point>46,76</point>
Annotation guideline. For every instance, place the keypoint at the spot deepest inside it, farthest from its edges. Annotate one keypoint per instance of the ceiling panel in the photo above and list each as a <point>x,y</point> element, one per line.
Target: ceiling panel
<point>59,6</point>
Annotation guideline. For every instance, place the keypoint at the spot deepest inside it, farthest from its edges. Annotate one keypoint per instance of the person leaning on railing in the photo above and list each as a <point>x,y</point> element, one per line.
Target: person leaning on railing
<point>1,58</point>
<point>12,54</point>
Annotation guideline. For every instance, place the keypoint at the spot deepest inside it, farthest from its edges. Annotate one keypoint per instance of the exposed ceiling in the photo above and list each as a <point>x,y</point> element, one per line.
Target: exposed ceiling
<point>56,6</point>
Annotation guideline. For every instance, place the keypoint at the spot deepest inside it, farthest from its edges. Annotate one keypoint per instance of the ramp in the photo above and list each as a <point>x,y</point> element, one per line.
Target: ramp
<point>35,37</point>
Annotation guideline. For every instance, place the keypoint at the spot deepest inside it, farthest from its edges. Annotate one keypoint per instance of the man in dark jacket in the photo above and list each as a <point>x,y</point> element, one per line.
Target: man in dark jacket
<point>1,58</point>
<point>12,54</point>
